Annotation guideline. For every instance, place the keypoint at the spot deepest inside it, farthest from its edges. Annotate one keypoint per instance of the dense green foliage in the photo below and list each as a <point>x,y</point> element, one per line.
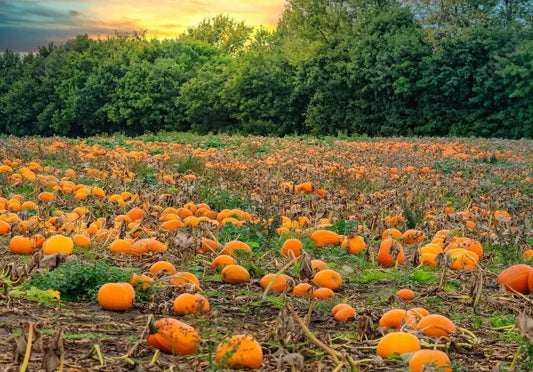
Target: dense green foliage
<point>78,281</point>
<point>382,67</point>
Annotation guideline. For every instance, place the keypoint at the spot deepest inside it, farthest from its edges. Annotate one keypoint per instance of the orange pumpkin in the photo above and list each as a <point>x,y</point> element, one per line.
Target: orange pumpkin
<point>303,289</point>
<point>58,244</point>
<point>323,238</point>
<point>231,247</point>
<point>435,325</point>
<point>292,248</point>
<point>328,278</point>
<point>162,266</point>
<point>240,351</point>
<point>516,277</point>
<point>174,337</point>
<point>390,253</point>
<point>280,284</point>
<point>235,274</point>
<point>187,303</point>
<point>21,245</point>
<point>406,295</point>
<point>424,360</point>
<point>184,278</point>
<point>222,261</point>
<point>323,293</point>
<point>392,319</point>
<point>116,296</point>
<point>354,245</point>
<point>397,343</point>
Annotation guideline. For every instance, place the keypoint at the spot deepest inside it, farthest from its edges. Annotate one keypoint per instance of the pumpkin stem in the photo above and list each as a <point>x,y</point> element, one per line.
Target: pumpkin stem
<point>152,329</point>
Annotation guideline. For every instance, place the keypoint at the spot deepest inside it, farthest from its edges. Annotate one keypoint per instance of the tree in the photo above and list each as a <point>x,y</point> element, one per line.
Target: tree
<point>223,32</point>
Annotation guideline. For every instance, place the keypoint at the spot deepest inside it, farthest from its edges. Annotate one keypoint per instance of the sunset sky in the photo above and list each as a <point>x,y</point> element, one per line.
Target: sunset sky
<point>27,24</point>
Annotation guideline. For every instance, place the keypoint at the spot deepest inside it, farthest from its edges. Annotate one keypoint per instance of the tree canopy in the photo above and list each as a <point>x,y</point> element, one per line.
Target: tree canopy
<point>382,67</point>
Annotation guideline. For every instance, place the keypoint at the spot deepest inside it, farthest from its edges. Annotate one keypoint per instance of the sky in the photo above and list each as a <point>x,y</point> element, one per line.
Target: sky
<point>27,24</point>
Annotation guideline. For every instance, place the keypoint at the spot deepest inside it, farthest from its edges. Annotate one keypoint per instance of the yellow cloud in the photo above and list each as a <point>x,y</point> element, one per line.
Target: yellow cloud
<point>170,18</point>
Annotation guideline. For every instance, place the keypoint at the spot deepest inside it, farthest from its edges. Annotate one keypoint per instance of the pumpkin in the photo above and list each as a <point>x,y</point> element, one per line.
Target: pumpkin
<point>5,228</point>
<point>328,278</point>
<point>143,246</point>
<point>530,281</point>
<point>291,248</point>
<point>302,289</point>
<point>222,261</point>
<point>516,277</point>
<point>280,284</point>
<point>58,244</point>
<point>231,247</point>
<point>319,265</point>
<point>235,274</point>
<point>323,293</point>
<point>208,246</point>
<point>397,343</point>
<point>184,278</point>
<point>343,312</point>
<point>425,360</point>
<point>354,245</point>
<point>240,351</point>
<point>413,316</point>
<point>172,336</point>
<point>121,246</point>
<point>116,296</point>
<point>21,245</point>
<point>412,236</point>
<point>187,303</point>
<point>406,295</point>
<point>435,325</point>
<point>141,282</point>
<point>81,240</point>
<point>323,238</point>
<point>392,319</point>
<point>391,233</point>
<point>390,253</point>
<point>162,266</point>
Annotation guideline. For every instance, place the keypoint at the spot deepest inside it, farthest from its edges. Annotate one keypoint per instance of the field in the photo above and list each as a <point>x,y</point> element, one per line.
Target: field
<point>181,189</point>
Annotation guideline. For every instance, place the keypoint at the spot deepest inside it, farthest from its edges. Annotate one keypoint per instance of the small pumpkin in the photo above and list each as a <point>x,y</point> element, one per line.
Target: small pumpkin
<point>424,360</point>
<point>230,248</point>
<point>303,289</point>
<point>323,293</point>
<point>323,238</point>
<point>21,245</point>
<point>184,278</point>
<point>235,274</point>
<point>406,295</point>
<point>354,244</point>
<point>436,325</point>
<point>291,248</point>
<point>392,319</point>
<point>397,343</point>
<point>240,351</point>
<point>172,336</point>
<point>116,296</point>
<point>188,303</point>
<point>328,278</point>
<point>390,253</point>
<point>162,266</point>
<point>280,284</point>
<point>222,261</point>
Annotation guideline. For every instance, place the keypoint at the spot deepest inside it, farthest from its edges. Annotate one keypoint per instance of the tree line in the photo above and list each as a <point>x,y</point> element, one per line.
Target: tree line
<point>380,68</point>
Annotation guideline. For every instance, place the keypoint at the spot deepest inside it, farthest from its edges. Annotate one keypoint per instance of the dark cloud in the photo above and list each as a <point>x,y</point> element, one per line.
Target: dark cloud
<point>27,24</point>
